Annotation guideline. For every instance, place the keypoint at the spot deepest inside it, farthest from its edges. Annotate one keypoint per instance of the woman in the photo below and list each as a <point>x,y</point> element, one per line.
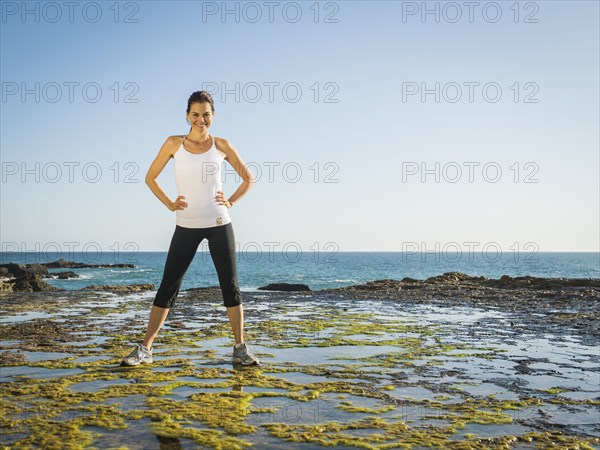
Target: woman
<point>202,212</point>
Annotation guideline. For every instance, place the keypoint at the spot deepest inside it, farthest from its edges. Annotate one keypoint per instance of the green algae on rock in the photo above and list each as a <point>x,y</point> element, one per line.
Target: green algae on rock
<point>191,392</point>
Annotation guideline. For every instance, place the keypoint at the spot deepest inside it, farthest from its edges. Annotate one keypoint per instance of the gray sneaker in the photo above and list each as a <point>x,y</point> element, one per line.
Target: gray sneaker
<point>139,355</point>
<point>244,356</point>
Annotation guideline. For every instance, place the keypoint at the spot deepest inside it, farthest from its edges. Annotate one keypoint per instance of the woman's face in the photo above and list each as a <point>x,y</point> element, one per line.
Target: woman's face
<point>200,116</point>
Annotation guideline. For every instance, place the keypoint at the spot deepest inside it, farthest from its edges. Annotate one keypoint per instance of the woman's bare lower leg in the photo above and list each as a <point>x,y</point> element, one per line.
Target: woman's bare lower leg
<point>236,318</point>
<point>157,318</point>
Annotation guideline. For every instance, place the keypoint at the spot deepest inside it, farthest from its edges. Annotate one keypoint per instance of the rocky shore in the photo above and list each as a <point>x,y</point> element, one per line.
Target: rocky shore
<point>582,294</point>
<point>459,287</point>
<point>452,361</point>
<point>29,277</point>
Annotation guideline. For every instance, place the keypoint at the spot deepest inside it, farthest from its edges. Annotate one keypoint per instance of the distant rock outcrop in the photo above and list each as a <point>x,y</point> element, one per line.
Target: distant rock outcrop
<point>29,277</point>
<point>456,280</point>
<point>122,288</point>
<point>64,264</point>
<point>284,287</point>
<point>458,287</point>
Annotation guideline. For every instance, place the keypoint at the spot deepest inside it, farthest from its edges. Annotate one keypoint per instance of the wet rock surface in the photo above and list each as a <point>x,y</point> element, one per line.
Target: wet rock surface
<point>560,301</point>
<point>123,288</point>
<point>448,362</point>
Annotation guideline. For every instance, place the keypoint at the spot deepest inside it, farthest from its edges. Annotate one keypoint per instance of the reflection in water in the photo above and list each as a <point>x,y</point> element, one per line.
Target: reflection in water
<point>168,443</point>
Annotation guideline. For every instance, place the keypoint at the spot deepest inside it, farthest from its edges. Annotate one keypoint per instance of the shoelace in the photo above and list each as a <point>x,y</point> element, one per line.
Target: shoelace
<point>247,352</point>
<point>138,352</point>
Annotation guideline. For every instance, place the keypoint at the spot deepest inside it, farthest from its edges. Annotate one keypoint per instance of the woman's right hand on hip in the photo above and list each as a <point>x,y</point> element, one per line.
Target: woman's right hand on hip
<point>178,204</point>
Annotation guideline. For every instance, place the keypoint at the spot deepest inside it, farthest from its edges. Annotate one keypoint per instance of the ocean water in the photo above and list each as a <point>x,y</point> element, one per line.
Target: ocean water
<point>317,270</point>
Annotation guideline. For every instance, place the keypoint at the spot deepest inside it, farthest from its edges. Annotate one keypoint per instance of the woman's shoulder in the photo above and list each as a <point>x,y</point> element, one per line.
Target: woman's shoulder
<point>222,146</point>
<point>220,142</point>
<point>171,145</point>
<point>174,141</point>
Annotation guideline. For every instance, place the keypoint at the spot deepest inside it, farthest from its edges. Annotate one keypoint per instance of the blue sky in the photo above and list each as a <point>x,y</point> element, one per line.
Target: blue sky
<point>353,150</point>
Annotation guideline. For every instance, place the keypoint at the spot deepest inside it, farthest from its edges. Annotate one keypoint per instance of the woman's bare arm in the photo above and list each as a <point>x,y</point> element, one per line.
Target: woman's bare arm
<point>233,157</point>
<point>159,163</point>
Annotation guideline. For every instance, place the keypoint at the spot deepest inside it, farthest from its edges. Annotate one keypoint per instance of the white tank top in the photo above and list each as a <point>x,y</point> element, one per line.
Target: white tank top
<point>198,178</point>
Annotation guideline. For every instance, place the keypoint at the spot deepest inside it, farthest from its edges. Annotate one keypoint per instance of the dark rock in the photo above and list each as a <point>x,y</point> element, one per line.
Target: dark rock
<point>10,358</point>
<point>452,276</point>
<point>409,280</point>
<point>203,289</point>
<point>504,279</point>
<point>28,277</point>
<point>14,270</point>
<point>63,275</point>
<point>123,288</point>
<point>542,283</point>
<point>31,282</point>
<point>507,293</point>
<point>382,285</point>
<point>63,264</point>
<point>284,287</point>
<point>210,293</point>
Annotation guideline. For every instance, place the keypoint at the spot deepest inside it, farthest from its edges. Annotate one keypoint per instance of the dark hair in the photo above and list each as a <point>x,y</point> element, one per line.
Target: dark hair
<point>200,97</point>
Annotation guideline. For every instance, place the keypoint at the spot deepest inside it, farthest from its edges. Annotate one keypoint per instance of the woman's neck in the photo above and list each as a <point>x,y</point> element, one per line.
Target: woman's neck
<point>198,137</point>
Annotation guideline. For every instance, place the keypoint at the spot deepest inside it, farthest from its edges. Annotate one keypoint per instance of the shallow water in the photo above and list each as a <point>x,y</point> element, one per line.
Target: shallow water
<point>369,366</point>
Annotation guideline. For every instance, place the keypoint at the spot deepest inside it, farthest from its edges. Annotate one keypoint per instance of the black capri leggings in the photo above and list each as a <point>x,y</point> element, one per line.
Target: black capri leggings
<point>184,244</point>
